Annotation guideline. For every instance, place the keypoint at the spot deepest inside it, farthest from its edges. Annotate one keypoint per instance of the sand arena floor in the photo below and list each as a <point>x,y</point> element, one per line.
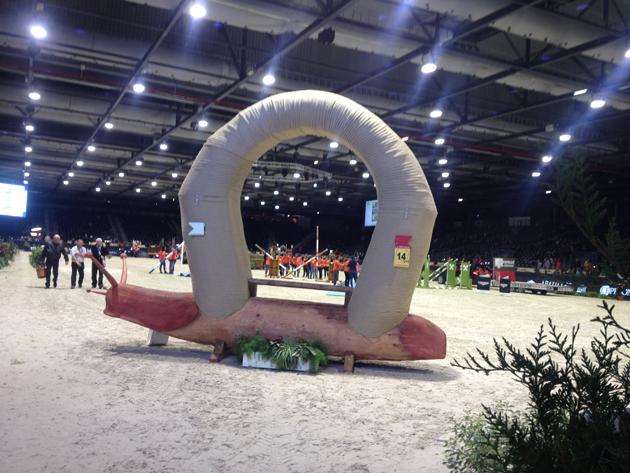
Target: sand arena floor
<point>80,391</point>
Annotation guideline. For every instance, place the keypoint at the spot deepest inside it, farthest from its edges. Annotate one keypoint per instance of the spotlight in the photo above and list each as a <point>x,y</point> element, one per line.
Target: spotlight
<point>340,199</point>
<point>445,174</point>
<point>435,114</point>
<point>276,192</point>
<point>296,175</point>
<point>139,88</point>
<point>353,162</point>
<point>429,67</point>
<point>314,184</point>
<point>27,163</point>
<point>109,125</point>
<point>139,162</point>
<point>34,96</point>
<point>257,184</point>
<point>315,163</point>
<point>366,175</point>
<point>580,92</point>
<point>65,183</point>
<point>203,123</point>
<point>137,189</point>
<point>598,103</point>
<point>460,200</point>
<point>328,192</point>
<point>277,207</point>
<point>91,148</point>
<point>246,197</point>
<point>163,146</point>
<point>334,144</point>
<point>38,31</point>
<point>79,163</point>
<point>153,183</point>
<point>28,149</point>
<point>291,199</point>
<point>26,174</point>
<point>268,79</point>
<point>121,174</point>
<point>25,182</point>
<point>405,138</point>
<point>547,192</point>
<point>174,174</point>
<point>262,203</point>
<point>447,184</point>
<point>565,137</point>
<point>163,196</point>
<point>535,174</point>
<point>71,174</point>
<point>305,204</point>
<point>197,11</point>
<point>108,182</point>
<point>627,53</point>
<point>439,141</point>
<point>443,161</point>
<point>546,159</point>
<point>98,189</point>
<point>29,126</point>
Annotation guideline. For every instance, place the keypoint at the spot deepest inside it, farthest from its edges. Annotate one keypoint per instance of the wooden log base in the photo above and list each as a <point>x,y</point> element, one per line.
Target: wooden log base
<point>348,362</point>
<point>220,351</point>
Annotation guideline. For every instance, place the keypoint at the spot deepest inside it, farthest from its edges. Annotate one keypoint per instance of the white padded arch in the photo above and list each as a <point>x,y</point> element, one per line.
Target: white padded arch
<point>219,261</point>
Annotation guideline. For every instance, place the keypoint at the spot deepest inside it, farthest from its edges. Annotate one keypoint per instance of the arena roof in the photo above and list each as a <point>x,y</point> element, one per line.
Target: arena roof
<point>512,76</point>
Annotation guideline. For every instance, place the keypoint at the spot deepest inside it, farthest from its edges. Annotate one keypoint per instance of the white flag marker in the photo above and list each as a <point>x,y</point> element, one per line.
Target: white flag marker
<point>198,228</point>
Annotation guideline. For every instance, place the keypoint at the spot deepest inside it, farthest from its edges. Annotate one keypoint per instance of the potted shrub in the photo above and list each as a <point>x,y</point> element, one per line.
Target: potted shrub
<point>26,246</point>
<point>621,288</point>
<point>35,261</point>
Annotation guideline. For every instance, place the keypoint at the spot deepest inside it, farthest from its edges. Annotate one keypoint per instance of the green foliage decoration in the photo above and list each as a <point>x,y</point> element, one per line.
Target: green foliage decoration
<point>8,251</point>
<point>286,354</point>
<point>577,418</point>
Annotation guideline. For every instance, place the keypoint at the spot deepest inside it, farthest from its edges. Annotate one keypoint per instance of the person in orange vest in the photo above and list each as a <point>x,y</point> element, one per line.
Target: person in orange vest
<point>346,271</point>
<point>136,250</point>
<point>286,262</point>
<point>172,259</point>
<point>293,263</point>
<point>267,264</point>
<point>314,268</point>
<point>298,265</point>
<point>336,267</point>
<point>162,257</point>
<point>320,267</point>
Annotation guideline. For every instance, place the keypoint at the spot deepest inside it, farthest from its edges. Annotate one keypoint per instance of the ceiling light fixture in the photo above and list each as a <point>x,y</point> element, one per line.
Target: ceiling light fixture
<point>79,163</point>
<point>98,189</point>
<point>139,88</point>
<point>435,114</point>
<point>246,197</point>
<point>547,159</point>
<point>328,192</point>
<point>536,174</point>
<point>276,192</point>
<point>174,174</point>
<point>163,146</point>
<point>163,196</point>
<point>334,144</point>
<point>139,162</point>
<point>296,175</point>
<point>268,79</point>
<point>291,199</point>
<point>547,192</point>
<point>91,148</point>
<point>108,182</point>
<point>121,174</point>
<point>26,174</point>
<point>202,123</point>
<point>314,184</point>
<point>340,199</point>
<point>28,149</point>
<point>565,137</point>
<point>262,203</point>
<point>277,207</point>
<point>405,138</point>
<point>598,103</point>
<point>315,163</point>
<point>353,162</point>
<point>65,183</point>
<point>366,175</point>
<point>445,174</point>
<point>443,161</point>
<point>197,11</point>
<point>109,125</point>
<point>34,96</point>
<point>627,53</point>
<point>137,189</point>
<point>447,184</point>
<point>153,183</point>
<point>29,127</point>
<point>439,141</point>
<point>257,184</point>
<point>38,31</point>
<point>25,182</point>
<point>27,163</point>
<point>429,67</point>
<point>580,92</point>
<point>305,204</point>
<point>460,200</point>
<point>71,174</point>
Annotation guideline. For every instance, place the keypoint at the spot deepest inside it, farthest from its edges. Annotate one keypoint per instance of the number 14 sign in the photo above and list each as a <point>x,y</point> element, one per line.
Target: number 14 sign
<point>402,253</point>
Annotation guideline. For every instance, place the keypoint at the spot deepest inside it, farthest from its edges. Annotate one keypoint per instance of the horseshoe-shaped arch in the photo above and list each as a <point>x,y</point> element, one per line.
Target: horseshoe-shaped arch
<point>211,193</point>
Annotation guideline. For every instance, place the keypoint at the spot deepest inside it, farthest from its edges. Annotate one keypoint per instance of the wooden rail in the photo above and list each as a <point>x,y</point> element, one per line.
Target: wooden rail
<point>254,283</point>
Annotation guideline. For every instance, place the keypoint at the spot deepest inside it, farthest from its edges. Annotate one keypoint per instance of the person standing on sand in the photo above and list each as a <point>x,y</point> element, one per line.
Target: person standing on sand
<point>99,252</point>
<point>336,267</point>
<point>162,258</point>
<point>78,263</point>
<point>52,253</point>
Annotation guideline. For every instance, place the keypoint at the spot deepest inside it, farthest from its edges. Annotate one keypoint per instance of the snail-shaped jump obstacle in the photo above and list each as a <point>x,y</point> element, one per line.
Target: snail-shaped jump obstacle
<point>376,324</point>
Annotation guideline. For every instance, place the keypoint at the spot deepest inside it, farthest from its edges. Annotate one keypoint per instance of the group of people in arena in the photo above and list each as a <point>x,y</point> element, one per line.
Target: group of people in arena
<point>317,267</point>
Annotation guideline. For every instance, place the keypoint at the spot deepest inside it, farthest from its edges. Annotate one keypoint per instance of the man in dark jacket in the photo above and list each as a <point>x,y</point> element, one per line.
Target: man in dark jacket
<point>99,252</point>
<point>52,253</point>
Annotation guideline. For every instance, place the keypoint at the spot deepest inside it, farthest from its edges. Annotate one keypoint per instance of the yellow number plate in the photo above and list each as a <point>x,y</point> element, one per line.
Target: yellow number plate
<point>402,257</point>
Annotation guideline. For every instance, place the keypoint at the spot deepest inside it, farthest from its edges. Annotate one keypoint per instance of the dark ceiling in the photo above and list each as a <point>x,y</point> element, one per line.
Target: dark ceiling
<point>507,73</point>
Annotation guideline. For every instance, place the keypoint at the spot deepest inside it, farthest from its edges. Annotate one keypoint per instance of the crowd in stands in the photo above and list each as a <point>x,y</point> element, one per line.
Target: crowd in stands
<point>73,226</point>
<point>150,230</point>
